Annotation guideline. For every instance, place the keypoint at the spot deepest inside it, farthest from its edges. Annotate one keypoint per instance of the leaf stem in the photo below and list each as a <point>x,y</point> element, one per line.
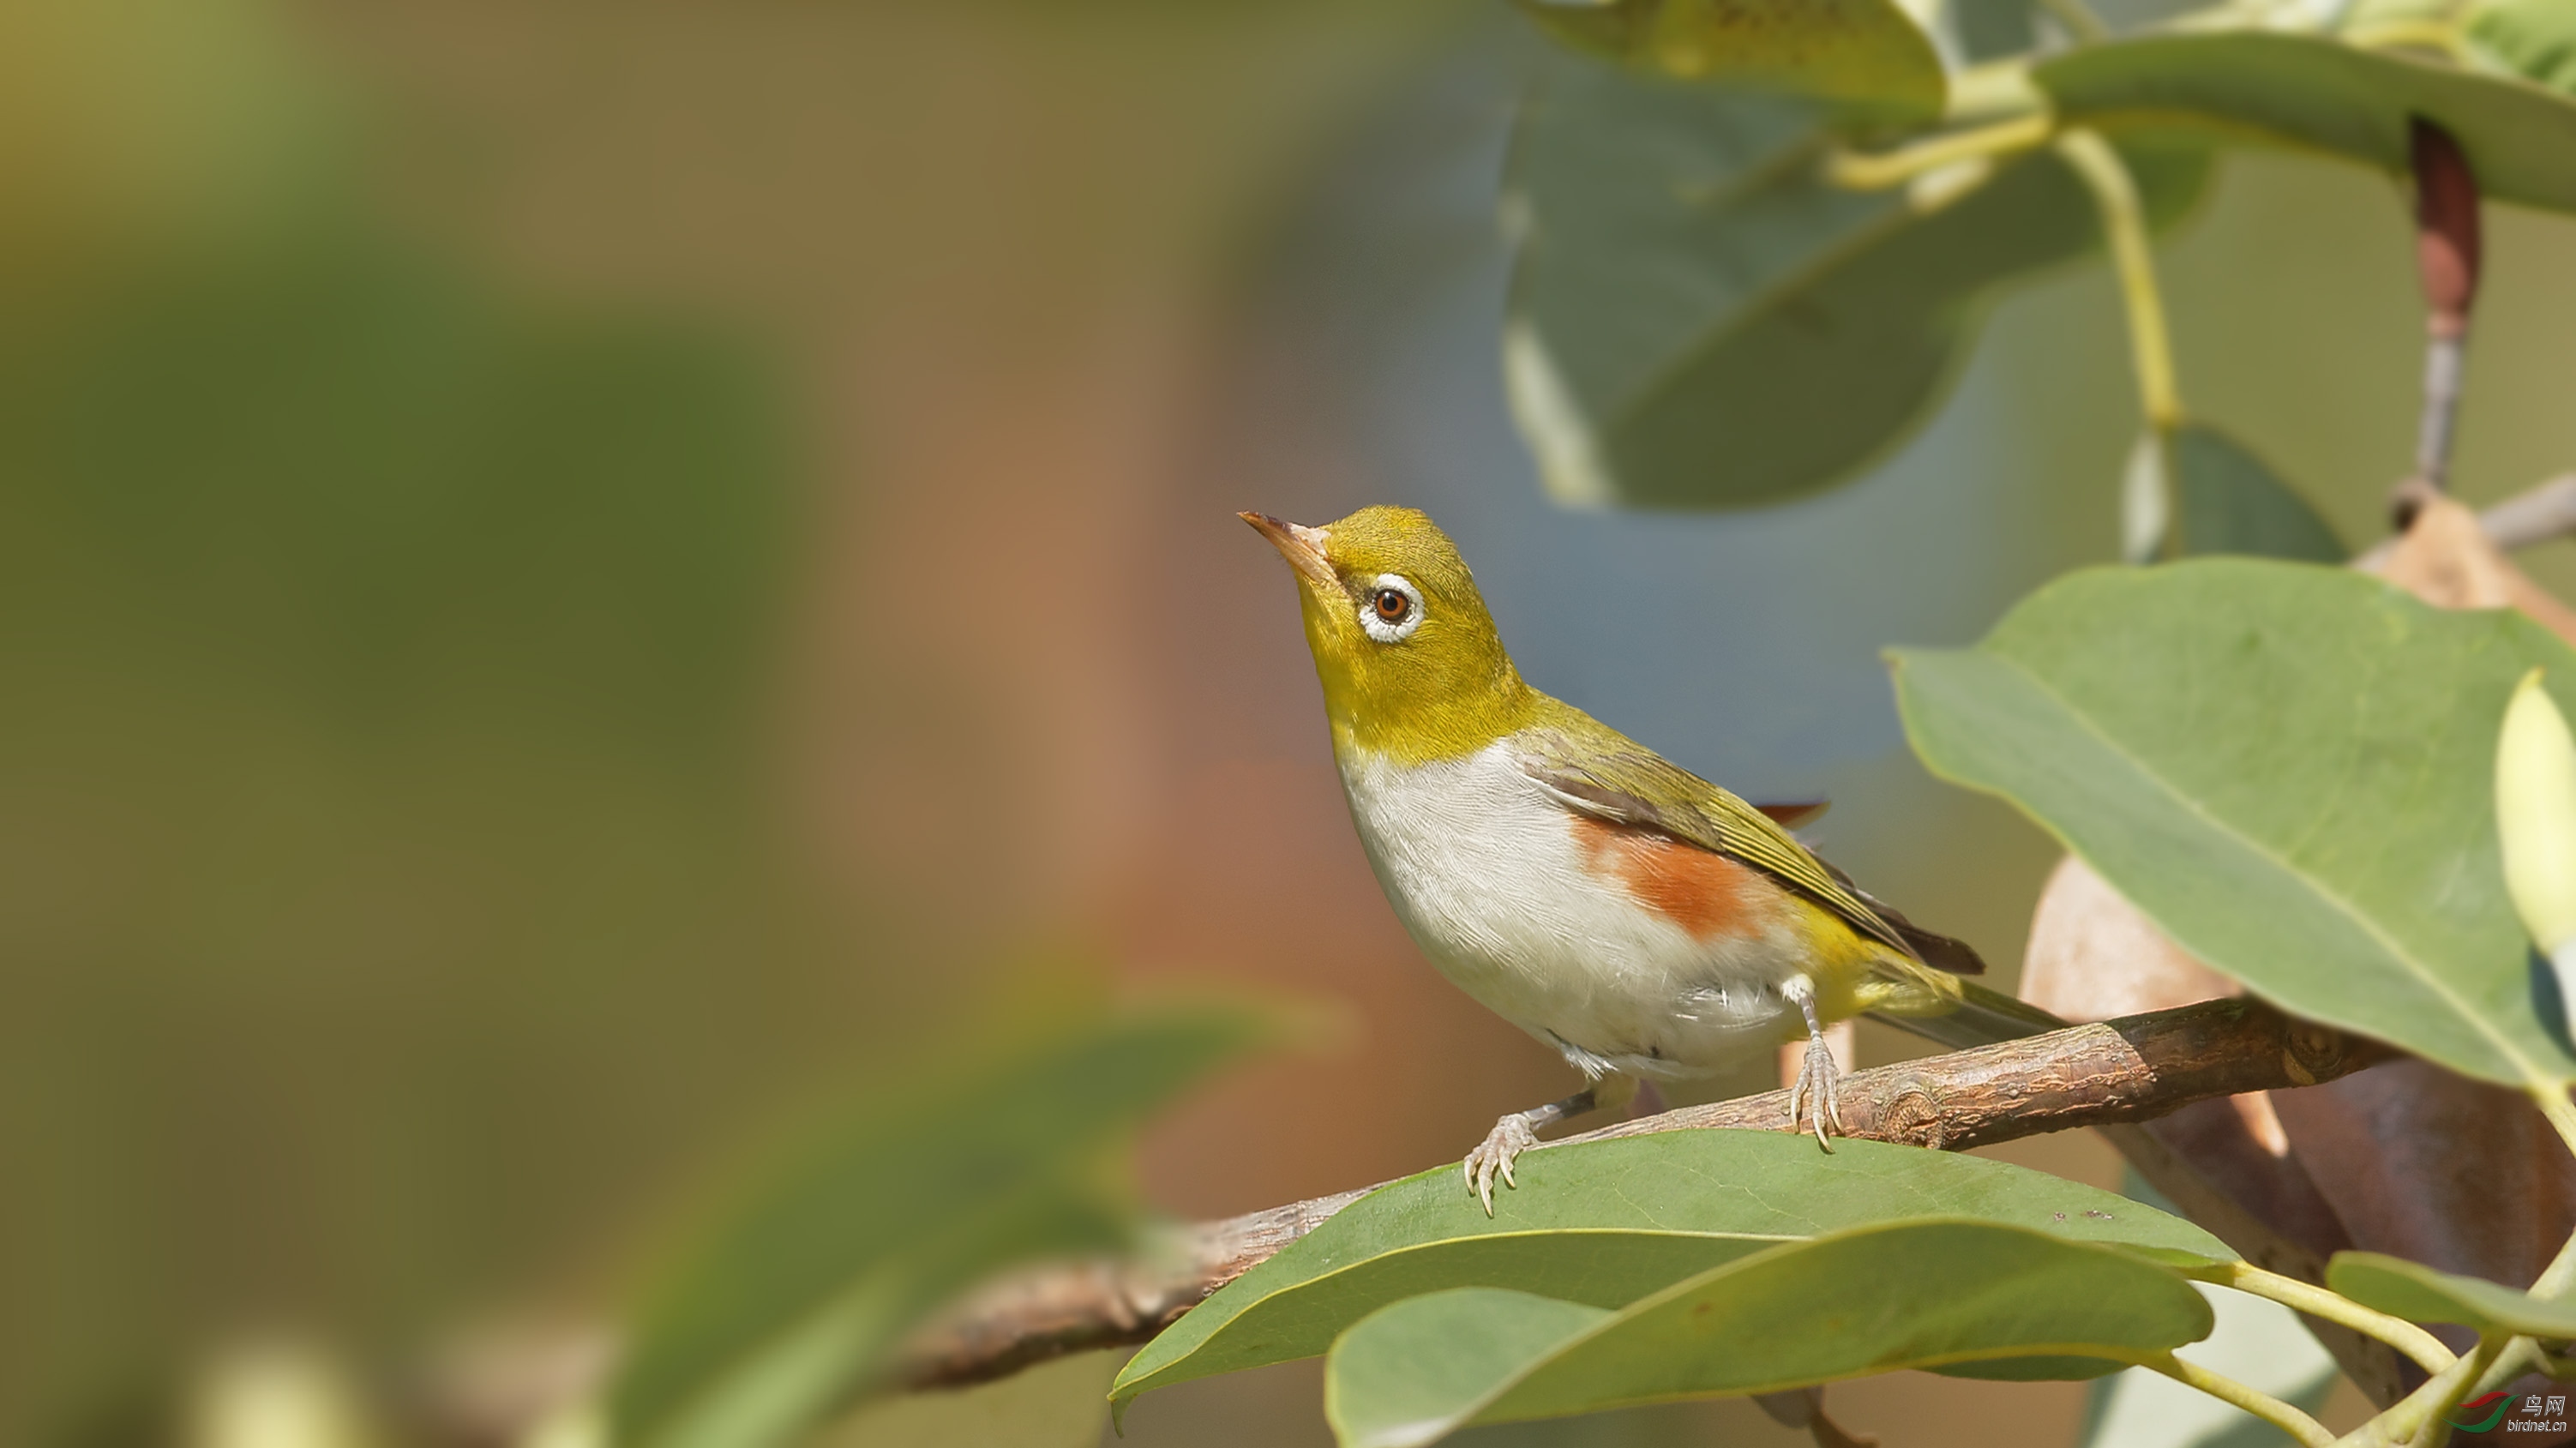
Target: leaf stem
<point>2421,1417</point>
<point>1865,171</point>
<point>2441,35</point>
<point>2308,1431</point>
<point>2079,20</point>
<point>2426,1349</point>
<point>1992,91</point>
<point>2124,226</point>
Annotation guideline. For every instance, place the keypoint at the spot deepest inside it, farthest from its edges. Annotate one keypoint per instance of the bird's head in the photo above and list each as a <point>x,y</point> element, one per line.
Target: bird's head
<point>1409,659</point>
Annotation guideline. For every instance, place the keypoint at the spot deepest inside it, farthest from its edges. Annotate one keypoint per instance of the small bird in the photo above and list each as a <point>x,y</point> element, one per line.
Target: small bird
<point>1636,918</point>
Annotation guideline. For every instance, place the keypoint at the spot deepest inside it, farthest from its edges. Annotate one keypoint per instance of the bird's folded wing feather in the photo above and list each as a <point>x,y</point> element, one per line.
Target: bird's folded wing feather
<point>1613,778</point>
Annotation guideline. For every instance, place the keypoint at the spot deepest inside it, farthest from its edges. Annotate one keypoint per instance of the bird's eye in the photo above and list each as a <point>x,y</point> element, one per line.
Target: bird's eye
<point>1391,609</point>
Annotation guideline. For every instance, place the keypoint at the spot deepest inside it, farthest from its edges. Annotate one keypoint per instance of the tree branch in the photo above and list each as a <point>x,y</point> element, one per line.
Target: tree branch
<point>2131,1069</point>
<point>2536,515</point>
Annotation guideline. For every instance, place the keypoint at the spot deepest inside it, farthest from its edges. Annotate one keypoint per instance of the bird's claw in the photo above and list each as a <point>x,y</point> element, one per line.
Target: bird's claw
<point>1820,1083</point>
<point>1510,1137</point>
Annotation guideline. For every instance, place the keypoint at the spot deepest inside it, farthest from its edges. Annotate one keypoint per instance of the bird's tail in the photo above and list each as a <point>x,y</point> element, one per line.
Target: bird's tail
<point>1927,997</point>
<point>1981,1017</point>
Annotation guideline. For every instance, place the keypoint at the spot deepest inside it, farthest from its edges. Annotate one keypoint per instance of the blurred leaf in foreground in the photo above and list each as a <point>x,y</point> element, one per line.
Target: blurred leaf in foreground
<point>2288,768</point>
<point>1605,1223</point>
<point>1052,1405</point>
<point>390,677</point>
<point>1700,319</point>
<point>2323,94</point>
<point>1871,1300</point>
<point>1867,54</point>
<point>2534,39</point>
<point>791,1305</point>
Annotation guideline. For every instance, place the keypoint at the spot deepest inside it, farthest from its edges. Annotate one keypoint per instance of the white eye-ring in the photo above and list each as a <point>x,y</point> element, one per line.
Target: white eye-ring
<point>1392,609</point>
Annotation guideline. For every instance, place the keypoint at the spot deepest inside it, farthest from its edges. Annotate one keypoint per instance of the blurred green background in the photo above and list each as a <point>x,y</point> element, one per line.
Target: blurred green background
<point>573,576</point>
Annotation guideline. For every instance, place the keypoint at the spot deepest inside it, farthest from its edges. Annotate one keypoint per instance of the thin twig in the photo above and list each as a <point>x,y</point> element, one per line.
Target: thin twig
<point>2131,1069</point>
<point>2535,515</point>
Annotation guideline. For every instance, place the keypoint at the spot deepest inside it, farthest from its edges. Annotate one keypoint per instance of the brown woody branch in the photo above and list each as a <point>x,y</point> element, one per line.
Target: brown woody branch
<point>2132,1069</point>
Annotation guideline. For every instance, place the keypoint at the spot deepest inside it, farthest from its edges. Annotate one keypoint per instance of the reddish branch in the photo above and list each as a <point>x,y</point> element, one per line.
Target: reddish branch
<point>2447,248</point>
<point>2132,1069</point>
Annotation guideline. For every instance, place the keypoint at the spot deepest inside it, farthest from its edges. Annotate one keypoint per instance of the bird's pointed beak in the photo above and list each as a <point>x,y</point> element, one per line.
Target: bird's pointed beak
<point>1302,547</point>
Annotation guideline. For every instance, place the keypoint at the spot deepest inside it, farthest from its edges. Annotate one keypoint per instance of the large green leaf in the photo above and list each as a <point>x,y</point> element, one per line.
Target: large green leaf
<point>1607,1222</point>
<point>2289,768</point>
<point>2308,91</point>
<point>1700,320</point>
<point>1868,55</point>
<point>1872,1300</point>
<point>2420,1294</point>
<point>2231,501</point>
<point>790,1305</point>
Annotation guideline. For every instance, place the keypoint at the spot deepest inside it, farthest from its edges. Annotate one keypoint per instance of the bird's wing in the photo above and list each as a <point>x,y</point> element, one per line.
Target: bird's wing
<point>1931,947</point>
<point>1602,773</point>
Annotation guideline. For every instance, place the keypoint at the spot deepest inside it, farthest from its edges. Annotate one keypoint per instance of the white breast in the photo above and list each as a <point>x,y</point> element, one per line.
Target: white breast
<point>1483,867</point>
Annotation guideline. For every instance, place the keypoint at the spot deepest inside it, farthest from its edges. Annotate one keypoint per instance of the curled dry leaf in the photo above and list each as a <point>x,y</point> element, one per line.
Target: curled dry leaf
<point>2447,560</point>
<point>2092,956</point>
<point>2228,1163</point>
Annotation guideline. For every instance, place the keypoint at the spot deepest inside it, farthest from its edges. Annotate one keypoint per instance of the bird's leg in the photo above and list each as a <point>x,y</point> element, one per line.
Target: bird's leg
<point>1518,1132</point>
<point>1818,1079</point>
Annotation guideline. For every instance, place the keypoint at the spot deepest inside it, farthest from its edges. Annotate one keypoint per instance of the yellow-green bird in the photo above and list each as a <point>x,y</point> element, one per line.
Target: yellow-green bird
<point>1635,917</point>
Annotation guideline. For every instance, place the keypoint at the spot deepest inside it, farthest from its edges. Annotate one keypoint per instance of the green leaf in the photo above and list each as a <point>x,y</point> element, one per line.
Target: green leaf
<point>1606,1222</point>
<point>1868,55</point>
<point>1414,1371</point>
<point>2534,39</point>
<point>790,1305</point>
<point>2031,1369</point>
<point>1873,1300</point>
<point>2307,91</point>
<point>1699,320</point>
<point>2418,1293</point>
<point>2232,502</point>
<point>2289,768</point>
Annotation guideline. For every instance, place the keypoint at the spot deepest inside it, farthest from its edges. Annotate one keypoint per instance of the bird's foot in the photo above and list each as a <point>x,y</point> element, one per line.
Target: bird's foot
<point>1820,1083</point>
<point>1819,1080</point>
<point>1510,1137</point>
